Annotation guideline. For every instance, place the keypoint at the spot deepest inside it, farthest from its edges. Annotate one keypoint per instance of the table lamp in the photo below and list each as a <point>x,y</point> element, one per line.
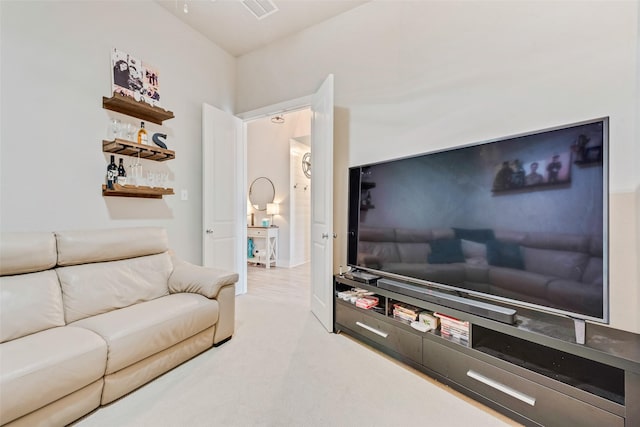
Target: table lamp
<point>273,209</point>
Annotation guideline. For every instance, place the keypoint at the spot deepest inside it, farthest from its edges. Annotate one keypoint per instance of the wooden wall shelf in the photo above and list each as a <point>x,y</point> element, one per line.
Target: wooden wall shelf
<point>133,191</point>
<point>131,107</point>
<point>130,148</point>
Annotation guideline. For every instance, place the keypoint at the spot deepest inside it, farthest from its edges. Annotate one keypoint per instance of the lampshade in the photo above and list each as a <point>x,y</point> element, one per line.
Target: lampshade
<point>273,209</point>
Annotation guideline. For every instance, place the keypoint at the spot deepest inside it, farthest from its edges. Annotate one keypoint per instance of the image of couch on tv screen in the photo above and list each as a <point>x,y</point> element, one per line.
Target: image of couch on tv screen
<point>556,270</point>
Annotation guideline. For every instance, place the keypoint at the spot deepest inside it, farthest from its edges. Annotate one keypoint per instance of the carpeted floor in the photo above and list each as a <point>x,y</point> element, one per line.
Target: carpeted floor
<point>282,368</point>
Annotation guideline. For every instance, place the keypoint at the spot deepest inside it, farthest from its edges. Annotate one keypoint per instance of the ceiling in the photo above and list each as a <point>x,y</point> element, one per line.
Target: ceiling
<point>230,25</point>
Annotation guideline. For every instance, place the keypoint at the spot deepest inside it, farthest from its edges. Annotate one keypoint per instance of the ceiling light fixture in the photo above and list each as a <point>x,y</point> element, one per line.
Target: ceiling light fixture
<point>277,119</point>
<point>185,8</point>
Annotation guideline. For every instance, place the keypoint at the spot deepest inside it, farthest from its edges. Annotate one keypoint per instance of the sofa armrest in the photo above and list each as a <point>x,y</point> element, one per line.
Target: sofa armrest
<point>212,283</point>
<point>205,281</point>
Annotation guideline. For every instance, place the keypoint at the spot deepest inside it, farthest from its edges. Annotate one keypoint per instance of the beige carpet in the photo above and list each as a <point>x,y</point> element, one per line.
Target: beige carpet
<point>282,368</point>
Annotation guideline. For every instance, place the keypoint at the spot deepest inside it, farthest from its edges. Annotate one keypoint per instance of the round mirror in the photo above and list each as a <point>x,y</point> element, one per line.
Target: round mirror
<point>261,192</point>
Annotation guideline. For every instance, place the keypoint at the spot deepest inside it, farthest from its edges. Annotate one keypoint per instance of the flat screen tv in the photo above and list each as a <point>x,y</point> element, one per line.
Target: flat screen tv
<point>522,220</point>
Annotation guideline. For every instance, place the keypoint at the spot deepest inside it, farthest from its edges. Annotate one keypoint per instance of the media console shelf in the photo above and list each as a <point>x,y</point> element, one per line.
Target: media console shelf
<point>532,371</point>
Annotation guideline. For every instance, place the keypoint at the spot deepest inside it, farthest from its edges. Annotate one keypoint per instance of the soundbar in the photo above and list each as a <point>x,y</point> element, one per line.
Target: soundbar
<point>479,308</point>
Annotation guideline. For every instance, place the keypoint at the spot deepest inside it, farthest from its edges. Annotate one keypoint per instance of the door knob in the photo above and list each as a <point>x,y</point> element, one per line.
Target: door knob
<point>209,231</point>
<point>325,235</point>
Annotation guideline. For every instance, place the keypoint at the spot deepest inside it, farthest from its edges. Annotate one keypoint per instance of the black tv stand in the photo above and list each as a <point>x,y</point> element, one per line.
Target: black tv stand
<point>533,371</point>
<point>490,311</point>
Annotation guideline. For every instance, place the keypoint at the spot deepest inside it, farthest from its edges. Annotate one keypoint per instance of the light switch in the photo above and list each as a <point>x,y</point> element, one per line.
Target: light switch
<point>184,195</point>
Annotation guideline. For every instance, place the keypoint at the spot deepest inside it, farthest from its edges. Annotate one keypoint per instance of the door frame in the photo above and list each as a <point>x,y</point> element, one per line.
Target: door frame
<point>248,116</point>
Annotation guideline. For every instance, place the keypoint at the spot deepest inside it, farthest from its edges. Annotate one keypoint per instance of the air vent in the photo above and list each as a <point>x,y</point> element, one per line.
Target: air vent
<point>260,8</point>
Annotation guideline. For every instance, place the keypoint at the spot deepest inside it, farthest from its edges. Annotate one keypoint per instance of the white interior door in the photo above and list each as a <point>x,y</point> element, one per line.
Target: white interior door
<point>322,203</point>
<point>222,193</point>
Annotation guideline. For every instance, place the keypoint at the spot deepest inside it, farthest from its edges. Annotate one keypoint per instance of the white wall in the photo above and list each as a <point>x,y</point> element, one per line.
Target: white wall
<point>412,77</point>
<point>299,204</point>
<point>55,70</point>
<point>268,156</point>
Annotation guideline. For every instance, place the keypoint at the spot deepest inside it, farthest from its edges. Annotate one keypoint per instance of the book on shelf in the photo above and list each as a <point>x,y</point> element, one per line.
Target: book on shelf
<point>454,331</point>
<point>452,337</point>
<point>407,309</point>
<point>459,326</point>
<point>367,302</point>
<point>404,316</point>
<point>444,319</point>
<point>451,327</point>
<point>353,294</point>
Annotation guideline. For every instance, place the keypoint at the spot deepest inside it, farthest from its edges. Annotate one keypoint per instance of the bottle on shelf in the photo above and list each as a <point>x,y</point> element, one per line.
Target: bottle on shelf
<point>142,135</point>
<point>122,173</point>
<point>112,173</point>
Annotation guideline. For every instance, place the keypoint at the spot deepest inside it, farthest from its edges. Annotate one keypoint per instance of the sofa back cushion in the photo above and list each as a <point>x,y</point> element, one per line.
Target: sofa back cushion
<point>409,235</point>
<point>30,295</point>
<point>414,253</point>
<point>377,234</point>
<point>563,264</point>
<point>557,241</point>
<point>26,252</point>
<point>385,251</point>
<point>91,289</point>
<point>81,247</point>
<point>480,235</point>
<point>29,303</point>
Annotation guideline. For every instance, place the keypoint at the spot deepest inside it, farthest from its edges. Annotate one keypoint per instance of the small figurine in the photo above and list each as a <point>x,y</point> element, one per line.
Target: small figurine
<point>159,142</point>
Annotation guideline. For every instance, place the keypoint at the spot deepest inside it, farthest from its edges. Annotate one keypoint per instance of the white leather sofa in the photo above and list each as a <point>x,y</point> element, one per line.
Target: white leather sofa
<point>88,316</point>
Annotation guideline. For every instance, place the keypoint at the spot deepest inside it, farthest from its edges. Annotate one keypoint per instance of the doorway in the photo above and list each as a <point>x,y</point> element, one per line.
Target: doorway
<point>278,148</point>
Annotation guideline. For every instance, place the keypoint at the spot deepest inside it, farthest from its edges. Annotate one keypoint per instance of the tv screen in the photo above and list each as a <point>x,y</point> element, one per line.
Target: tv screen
<point>521,220</point>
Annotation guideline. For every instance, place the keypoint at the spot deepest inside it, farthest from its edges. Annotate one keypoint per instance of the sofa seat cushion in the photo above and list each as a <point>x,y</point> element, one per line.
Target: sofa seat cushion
<point>75,358</point>
<point>520,282</point>
<point>476,273</point>
<point>141,330</point>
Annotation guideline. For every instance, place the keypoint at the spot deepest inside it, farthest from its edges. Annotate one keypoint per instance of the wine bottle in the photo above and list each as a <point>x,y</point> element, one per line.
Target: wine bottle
<point>142,134</point>
<point>112,173</point>
<point>121,170</point>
